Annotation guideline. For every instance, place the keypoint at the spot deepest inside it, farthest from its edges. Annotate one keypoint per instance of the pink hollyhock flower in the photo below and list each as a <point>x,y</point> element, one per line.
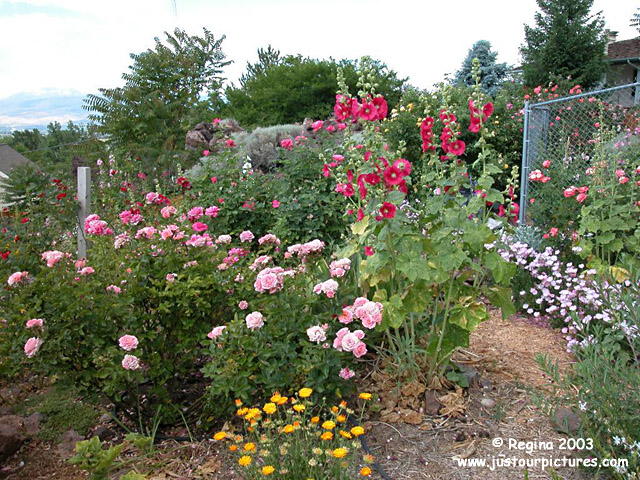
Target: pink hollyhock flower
<point>216,332</point>
<point>317,125</point>
<point>243,305</point>
<point>368,111</point>
<point>166,212</point>
<point>392,176</point>
<point>342,108</point>
<point>35,322</point>
<point>287,144</point>
<point>199,226</point>
<point>171,277</point>
<point>224,239</point>
<point>345,189</point>
<point>212,211</point>
<point>246,236</point>
<point>130,362</point>
<point>32,346</point>
<point>346,373</point>
<point>369,251</point>
<point>275,203</point>
<point>114,288</point>
<point>316,334</point>
<point>341,126</point>
<point>254,320</point>
<point>359,350</point>
<point>128,342</point>
<point>404,166</point>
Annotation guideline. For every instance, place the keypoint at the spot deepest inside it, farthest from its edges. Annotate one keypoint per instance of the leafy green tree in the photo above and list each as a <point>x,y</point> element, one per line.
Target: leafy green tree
<point>635,20</point>
<point>566,41</point>
<point>280,90</point>
<point>492,74</point>
<point>166,91</point>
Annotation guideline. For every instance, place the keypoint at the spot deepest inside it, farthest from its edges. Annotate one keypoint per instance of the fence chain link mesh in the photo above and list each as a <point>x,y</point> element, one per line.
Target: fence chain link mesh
<point>560,139</point>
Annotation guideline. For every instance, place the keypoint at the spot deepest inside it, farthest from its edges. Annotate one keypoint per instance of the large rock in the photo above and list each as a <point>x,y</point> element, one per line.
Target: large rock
<point>67,445</point>
<point>12,435</point>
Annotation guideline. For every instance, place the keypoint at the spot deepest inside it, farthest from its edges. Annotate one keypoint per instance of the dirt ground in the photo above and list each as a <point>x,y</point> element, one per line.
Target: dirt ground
<point>486,420</point>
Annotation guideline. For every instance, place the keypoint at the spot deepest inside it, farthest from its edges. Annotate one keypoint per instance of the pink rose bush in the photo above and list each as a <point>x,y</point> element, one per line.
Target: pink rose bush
<point>254,320</point>
<point>130,362</point>
<point>128,342</point>
<point>17,278</point>
<point>32,346</point>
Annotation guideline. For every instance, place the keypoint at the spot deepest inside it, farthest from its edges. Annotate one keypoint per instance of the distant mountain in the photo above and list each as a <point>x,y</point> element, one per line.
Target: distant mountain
<point>36,110</point>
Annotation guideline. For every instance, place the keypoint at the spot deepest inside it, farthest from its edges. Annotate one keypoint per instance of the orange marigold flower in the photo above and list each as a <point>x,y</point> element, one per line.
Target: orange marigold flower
<point>326,436</point>
<point>288,429</point>
<point>365,471</point>
<point>315,419</point>
<point>238,402</point>
<point>282,400</point>
<point>357,431</point>
<point>343,404</point>
<point>341,418</point>
<point>296,424</point>
<point>334,409</point>
<point>299,407</point>
<point>275,397</point>
<point>345,434</point>
<point>328,425</point>
<point>233,448</point>
<point>249,447</point>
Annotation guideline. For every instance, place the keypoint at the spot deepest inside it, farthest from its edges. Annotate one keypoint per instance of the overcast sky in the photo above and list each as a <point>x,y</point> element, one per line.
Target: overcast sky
<point>81,45</point>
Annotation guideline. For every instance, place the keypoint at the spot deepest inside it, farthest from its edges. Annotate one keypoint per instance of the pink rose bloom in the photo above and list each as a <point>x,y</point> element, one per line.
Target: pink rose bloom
<point>130,362</point>
<point>359,350</point>
<point>316,334</point>
<point>146,232</point>
<point>86,271</point>
<point>212,211</point>
<point>255,320</point>
<point>569,192</point>
<point>623,180</point>
<point>206,153</point>
<point>338,268</point>
<point>346,316</point>
<point>214,179</point>
<point>246,236</point>
<point>317,125</point>
<point>120,240</point>
<point>275,204</point>
<point>230,143</point>
<point>52,257</point>
<point>151,197</point>
<point>243,305</point>
<point>370,314</point>
<point>195,213</point>
<point>224,239</point>
<point>32,346</point>
<point>199,226</point>
<point>349,342</point>
<point>346,373</point>
<point>269,238</point>
<point>171,277</point>
<point>35,322</point>
<point>287,143</point>
<point>166,212</point>
<point>546,163</point>
<point>16,278</point>
<point>328,287</point>
<point>216,332</point>
<point>128,342</point>
<point>114,289</point>
<point>337,342</point>
<point>581,197</point>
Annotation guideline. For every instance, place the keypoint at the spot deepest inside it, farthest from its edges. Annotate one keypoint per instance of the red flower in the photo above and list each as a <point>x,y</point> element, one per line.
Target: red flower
<point>360,215</point>
<point>388,210</point>
<point>392,176</point>
<point>487,110</point>
<point>24,220</point>
<point>372,178</point>
<point>342,108</point>
<point>457,148</point>
<point>5,255</point>
<point>60,196</point>
<point>230,143</point>
<point>368,111</point>
<point>368,251</point>
<point>403,165</point>
<point>214,179</point>
<point>381,107</point>
<point>474,126</point>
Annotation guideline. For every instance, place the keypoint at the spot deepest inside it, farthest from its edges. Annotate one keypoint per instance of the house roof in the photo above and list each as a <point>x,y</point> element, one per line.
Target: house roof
<point>10,159</point>
<point>624,49</point>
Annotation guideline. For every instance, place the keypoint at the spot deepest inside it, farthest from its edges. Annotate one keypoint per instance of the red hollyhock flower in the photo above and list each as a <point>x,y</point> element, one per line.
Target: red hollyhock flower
<point>457,148</point>
<point>355,106</point>
<point>325,170</point>
<point>403,187</point>
<point>360,215</point>
<point>372,178</point>
<point>5,255</point>
<point>474,126</point>
<point>342,108</point>
<point>381,107</point>
<point>24,220</point>
<point>392,176</point>
<point>487,110</point>
<point>362,189</point>
<point>368,251</point>
<point>60,196</point>
<point>368,111</point>
<point>403,165</point>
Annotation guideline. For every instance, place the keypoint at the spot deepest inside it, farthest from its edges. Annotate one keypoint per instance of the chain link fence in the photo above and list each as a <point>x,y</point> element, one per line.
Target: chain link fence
<point>561,138</point>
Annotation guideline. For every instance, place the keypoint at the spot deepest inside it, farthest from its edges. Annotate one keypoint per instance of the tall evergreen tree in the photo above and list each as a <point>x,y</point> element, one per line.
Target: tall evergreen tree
<point>492,74</point>
<point>567,41</point>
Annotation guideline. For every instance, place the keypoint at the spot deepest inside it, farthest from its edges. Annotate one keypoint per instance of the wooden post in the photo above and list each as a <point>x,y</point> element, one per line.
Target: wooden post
<point>84,199</point>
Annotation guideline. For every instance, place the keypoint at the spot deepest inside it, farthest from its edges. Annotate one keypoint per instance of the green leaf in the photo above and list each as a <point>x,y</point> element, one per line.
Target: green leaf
<point>468,314</point>
<point>501,297</point>
<point>358,228</point>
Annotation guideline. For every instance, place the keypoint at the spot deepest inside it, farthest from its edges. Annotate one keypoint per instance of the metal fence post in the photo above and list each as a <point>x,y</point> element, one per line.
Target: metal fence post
<point>524,170</point>
<point>84,200</point>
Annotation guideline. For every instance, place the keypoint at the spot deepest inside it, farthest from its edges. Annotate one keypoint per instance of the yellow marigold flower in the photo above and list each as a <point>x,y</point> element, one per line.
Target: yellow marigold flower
<point>365,471</point>
<point>238,402</point>
<point>365,396</point>
<point>288,429</point>
<point>242,411</point>
<point>244,460</point>
<point>233,448</point>
<point>341,418</point>
<point>305,392</point>
<point>299,407</point>
<point>282,400</point>
<point>357,431</point>
<point>275,397</point>
<point>328,425</point>
<point>268,470</point>
<point>220,436</point>
<point>340,452</point>
<point>269,408</point>
<point>335,409</point>
<point>345,434</point>
<point>315,419</point>
<point>249,447</point>
<point>326,436</point>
